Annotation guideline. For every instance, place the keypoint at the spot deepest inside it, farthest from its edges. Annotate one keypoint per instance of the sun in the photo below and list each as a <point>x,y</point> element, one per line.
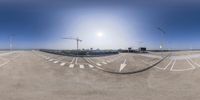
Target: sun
<point>100,34</point>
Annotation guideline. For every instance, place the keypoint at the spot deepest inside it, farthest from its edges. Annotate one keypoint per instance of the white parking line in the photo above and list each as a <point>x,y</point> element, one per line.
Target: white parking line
<point>91,66</point>
<point>104,63</point>
<point>173,65</point>
<point>87,60</point>
<point>72,60</point>
<point>98,64</point>
<point>193,62</point>
<point>90,60</point>
<point>168,64</point>
<point>150,64</point>
<point>82,66</point>
<point>55,62</point>
<point>186,68</point>
<point>190,63</point>
<point>76,60</point>
<point>108,61</point>
<point>62,64</point>
<point>51,59</point>
<point>6,62</point>
<point>71,66</point>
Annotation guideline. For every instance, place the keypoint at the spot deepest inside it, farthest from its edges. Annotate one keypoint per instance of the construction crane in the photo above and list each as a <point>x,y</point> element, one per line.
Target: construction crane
<point>77,42</point>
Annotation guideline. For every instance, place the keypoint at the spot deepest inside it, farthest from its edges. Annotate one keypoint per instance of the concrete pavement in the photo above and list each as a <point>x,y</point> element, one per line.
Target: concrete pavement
<point>31,76</point>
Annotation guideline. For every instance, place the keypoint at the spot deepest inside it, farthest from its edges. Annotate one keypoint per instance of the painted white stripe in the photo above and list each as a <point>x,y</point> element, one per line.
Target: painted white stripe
<point>104,63</point>
<point>62,64</point>
<point>99,68</point>
<point>180,70</point>
<point>87,60</point>
<point>55,62</point>
<point>108,61</point>
<point>98,64</point>
<point>91,60</point>
<point>82,66</point>
<point>194,62</point>
<point>159,68</point>
<point>91,66</point>
<point>51,59</point>
<point>190,63</point>
<point>122,66</point>
<point>6,62</point>
<point>165,66</point>
<point>173,65</point>
<point>168,64</point>
<point>186,68</point>
<point>76,60</point>
<point>71,66</point>
<point>72,60</point>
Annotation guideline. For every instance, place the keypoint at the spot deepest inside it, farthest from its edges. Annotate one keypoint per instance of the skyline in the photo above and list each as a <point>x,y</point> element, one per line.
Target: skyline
<point>122,24</point>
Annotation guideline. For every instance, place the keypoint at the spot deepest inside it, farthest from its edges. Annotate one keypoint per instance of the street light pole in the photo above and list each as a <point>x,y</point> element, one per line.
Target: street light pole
<point>11,42</point>
<point>162,41</point>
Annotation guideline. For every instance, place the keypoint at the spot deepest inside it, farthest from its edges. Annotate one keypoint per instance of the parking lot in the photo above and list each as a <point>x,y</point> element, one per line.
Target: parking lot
<point>36,75</point>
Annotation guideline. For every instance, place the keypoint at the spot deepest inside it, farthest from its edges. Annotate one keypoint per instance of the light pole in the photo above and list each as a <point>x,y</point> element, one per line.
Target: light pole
<point>77,43</point>
<point>11,42</point>
<point>163,33</point>
<point>162,41</point>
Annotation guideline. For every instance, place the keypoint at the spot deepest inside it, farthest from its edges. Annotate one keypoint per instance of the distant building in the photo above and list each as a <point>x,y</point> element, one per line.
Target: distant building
<point>142,49</point>
<point>91,49</point>
<point>129,49</point>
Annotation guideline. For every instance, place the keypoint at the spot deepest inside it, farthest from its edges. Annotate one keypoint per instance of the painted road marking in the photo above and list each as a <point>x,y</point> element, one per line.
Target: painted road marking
<point>76,60</point>
<point>91,60</point>
<point>71,66</point>
<point>166,65</point>
<point>150,64</point>
<point>55,62</point>
<point>104,63</point>
<point>122,66</point>
<point>173,65</point>
<point>51,59</point>
<point>98,64</point>
<point>186,68</point>
<point>194,62</point>
<point>72,60</point>
<point>91,66</point>
<point>62,64</point>
<point>87,60</point>
<point>82,66</point>
<point>108,61</point>
<point>6,62</point>
<point>190,63</point>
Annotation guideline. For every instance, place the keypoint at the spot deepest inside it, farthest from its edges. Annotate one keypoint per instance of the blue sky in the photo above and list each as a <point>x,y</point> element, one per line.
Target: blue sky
<point>122,24</point>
